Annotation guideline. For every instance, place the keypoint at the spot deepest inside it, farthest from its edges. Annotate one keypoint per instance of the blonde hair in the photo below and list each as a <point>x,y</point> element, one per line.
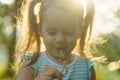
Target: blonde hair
<point>29,41</point>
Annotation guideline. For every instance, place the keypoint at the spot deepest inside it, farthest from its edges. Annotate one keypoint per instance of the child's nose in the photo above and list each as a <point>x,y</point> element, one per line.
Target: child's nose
<point>60,38</point>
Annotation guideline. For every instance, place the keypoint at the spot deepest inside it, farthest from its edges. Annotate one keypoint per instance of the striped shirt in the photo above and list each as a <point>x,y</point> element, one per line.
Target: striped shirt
<point>79,69</point>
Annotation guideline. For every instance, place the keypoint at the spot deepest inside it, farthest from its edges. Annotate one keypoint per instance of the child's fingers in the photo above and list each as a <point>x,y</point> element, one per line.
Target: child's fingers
<point>43,76</point>
<point>52,73</point>
<point>59,75</point>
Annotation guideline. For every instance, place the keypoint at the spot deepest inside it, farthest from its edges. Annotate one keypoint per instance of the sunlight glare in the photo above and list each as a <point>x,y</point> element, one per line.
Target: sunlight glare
<point>105,20</point>
<point>114,66</point>
<point>79,2</point>
<point>105,29</point>
<point>9,2</point>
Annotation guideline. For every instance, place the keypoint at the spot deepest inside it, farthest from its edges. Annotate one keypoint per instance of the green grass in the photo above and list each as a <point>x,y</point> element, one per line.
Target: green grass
<point>6,79</point>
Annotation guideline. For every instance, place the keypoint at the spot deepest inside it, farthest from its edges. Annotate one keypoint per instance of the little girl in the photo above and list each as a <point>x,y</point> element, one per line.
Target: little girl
<point>60,24</point>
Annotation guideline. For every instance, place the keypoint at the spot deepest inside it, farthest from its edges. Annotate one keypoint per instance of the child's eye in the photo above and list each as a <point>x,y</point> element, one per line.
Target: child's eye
<point>51,32</point>
<point>69,33</point>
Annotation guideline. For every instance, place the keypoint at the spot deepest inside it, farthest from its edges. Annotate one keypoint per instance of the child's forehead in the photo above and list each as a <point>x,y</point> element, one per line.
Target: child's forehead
<point>65,5</point>
<point>59,17</point>
<point>62,10</point>
<point>58,13</point>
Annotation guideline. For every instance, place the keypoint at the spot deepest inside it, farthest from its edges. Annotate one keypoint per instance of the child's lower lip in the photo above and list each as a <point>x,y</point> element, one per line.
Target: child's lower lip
<point>60,49</point>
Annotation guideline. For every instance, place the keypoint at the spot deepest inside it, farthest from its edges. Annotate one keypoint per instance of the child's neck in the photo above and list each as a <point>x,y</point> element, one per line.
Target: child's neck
<point>62,61</point>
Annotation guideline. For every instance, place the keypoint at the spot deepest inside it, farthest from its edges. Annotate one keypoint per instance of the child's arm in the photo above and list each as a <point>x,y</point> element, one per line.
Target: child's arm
<point>93,75</point>
<point>25,73</point>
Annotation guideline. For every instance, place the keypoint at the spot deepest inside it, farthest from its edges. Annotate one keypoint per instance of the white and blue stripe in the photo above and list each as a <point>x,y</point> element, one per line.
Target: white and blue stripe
<point>79,69</point>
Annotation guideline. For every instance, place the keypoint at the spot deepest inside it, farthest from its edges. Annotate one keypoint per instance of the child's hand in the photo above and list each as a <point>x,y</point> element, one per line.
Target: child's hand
<point>49,73</point>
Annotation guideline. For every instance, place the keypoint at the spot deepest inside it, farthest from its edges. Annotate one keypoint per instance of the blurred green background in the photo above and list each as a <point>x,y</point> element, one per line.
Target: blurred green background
<point>105,40</point>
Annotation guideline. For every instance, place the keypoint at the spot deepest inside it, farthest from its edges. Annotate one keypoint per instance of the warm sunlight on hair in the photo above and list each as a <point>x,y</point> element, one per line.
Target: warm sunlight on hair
<point>36,11</point>
<point>77,3</point>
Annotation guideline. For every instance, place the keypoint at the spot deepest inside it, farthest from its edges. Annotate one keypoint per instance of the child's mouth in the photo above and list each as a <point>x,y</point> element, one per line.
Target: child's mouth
<point>61,52</point>
<point>59,48</point>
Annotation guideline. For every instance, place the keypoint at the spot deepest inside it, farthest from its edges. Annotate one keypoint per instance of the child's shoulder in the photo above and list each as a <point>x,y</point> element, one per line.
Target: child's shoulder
<point>81,60</point>
<point>26,57</point>
<point>29,56</point>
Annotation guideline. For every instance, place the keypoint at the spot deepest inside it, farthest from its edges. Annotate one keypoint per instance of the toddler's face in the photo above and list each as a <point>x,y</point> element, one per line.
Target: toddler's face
<point>59,31</point>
